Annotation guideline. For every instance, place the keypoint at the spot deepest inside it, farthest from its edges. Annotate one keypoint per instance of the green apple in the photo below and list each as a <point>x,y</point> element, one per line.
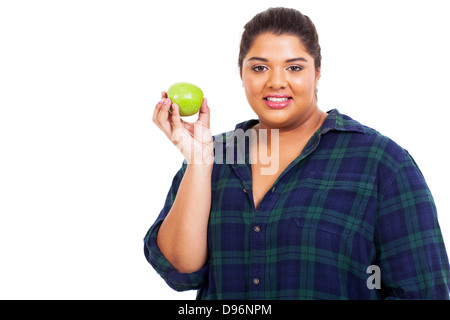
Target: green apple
<point>187,96</point>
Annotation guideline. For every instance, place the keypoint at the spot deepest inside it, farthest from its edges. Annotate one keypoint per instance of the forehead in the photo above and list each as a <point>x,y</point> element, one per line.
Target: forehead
<point>271,46</point>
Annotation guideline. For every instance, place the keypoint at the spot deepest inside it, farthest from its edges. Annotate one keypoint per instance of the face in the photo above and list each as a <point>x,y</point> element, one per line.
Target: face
<point>280,79</point>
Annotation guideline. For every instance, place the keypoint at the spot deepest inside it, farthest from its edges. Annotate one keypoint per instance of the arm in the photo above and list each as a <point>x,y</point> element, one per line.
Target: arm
<point>176,280</point>
<point>410,248</point>
<point>182,237</point>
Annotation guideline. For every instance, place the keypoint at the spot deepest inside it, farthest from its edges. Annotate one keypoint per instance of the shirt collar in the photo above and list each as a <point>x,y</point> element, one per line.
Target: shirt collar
<point>335,121</point>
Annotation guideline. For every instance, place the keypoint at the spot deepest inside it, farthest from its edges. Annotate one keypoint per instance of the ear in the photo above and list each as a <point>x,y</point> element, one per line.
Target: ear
<point>318,73</point>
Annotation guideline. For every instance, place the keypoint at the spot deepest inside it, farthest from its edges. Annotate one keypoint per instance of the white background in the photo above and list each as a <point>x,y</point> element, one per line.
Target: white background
<point>83,170</point>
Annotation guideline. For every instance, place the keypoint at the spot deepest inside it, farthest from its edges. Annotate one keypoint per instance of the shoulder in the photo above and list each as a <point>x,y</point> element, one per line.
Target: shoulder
<point>357,148</point>
<point>365,140</point>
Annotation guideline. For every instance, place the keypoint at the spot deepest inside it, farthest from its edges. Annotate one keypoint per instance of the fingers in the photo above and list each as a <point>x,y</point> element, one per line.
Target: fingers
<point>159,105</point>
<point>161,116</point>
<point>157,110</point>
<point>167,117</point>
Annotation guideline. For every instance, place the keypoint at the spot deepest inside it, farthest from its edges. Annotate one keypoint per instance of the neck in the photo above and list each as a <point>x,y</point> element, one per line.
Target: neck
<point>274,150</point>
<point>299,132</point>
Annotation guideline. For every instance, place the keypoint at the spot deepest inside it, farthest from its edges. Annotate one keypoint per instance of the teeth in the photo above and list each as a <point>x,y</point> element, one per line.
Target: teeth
<point>277,99</point>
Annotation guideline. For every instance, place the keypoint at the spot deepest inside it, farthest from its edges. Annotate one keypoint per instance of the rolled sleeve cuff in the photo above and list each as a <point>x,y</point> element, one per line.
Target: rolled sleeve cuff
<point>176,280</point>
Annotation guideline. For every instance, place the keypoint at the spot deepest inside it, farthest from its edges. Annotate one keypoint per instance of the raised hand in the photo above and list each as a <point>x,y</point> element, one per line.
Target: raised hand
<point>194,140</point>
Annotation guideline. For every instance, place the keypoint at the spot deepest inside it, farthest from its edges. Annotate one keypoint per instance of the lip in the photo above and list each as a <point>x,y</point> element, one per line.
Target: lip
<point>277,96</point>
<point>277,105</point>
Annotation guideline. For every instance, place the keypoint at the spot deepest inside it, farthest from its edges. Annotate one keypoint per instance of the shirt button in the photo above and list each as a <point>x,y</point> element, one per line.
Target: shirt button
<point>257,229</point>
<point>245,191</point>
<point>256,281</point>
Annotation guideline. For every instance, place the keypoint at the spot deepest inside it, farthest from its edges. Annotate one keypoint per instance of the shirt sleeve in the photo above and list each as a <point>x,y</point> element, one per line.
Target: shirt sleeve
<point>410,248</point>
<point>176,280</point>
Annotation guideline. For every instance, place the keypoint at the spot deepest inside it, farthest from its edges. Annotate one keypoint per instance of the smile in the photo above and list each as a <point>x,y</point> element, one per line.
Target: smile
<point>277,99</point>
<point>277,102</point>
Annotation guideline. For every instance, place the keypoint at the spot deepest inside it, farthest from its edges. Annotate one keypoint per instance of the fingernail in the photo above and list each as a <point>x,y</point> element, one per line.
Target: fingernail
<point>167,101</point>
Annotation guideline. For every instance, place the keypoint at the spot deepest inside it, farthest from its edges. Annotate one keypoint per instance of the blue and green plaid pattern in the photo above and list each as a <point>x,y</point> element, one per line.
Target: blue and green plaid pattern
<point>351,200</point>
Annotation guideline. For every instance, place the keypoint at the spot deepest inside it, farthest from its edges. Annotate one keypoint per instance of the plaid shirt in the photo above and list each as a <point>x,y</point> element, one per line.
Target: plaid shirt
<point>352,203</point>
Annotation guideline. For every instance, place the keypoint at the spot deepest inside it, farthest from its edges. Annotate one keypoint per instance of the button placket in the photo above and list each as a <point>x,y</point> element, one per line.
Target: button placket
<point>257,258</point>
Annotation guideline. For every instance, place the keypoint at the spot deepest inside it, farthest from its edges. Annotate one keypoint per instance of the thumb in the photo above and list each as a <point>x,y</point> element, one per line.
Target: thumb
<point>204,114</point>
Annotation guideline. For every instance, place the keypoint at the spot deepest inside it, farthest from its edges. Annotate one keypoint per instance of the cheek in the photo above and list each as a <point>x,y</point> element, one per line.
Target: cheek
<point>253,88</point>
<point>303,85</point>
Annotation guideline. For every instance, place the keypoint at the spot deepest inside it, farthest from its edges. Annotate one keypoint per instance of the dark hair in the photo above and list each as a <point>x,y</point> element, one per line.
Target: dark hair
<point>281,21</point>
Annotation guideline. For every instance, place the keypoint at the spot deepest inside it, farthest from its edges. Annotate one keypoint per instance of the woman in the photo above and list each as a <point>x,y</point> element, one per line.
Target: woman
<point>341,212</point>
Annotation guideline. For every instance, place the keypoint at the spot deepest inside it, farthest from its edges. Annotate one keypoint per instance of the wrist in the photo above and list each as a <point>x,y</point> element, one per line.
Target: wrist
<point>200,166</point>
<point>199,171</point>
<point>201,158</point>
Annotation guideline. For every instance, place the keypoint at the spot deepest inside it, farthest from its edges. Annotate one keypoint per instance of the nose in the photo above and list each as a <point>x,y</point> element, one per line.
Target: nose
<point>277,79</point>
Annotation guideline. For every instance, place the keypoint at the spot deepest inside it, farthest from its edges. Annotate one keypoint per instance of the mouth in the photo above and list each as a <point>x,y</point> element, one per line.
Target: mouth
<point>277,102</point>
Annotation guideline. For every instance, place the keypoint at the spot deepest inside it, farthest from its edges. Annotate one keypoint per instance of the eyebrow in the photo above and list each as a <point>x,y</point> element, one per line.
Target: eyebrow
<point>287,61</point>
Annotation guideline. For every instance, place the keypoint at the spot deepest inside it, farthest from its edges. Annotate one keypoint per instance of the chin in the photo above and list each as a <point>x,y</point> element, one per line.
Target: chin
<point>276,118</point>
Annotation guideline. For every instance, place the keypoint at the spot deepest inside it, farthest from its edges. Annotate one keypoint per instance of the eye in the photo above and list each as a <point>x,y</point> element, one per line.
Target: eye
<point>295,68</point>
<point>259,68</point>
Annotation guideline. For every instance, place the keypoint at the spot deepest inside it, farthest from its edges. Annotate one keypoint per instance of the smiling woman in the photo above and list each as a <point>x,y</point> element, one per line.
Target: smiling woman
<point>282,46</point>
<point>342,201</point>
<point>281,76</point>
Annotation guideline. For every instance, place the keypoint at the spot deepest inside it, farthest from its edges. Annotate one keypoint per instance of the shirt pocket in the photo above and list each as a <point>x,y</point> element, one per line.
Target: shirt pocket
<point>334,203</point>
